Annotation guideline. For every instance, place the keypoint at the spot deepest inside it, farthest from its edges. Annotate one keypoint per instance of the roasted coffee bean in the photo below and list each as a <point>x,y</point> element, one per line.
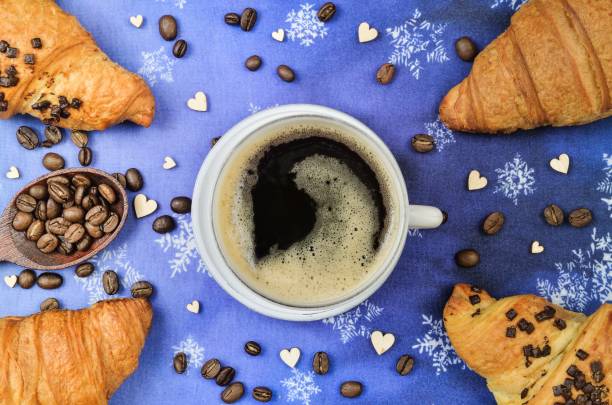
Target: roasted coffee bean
<point>423,143</point>
<point>79,138</point>
<point>49,304</point>
<point>466,49</point>
<point>75,233</point>
<point>49,281</point>
<point>285,73</point>
<point>232,19</point>
<point>164,224</point>
<point>467,258</point>
<point>253,63</point>
<point>46,143</point>
<point>493,223</point>
<point>26,279</point>
<point>94,230</point>
<point>89,201</point>
<point>53,209</point>
<point>47,243</point>
<point>74,214</point>
<point>385,73</point>
<point>141,289</point>
<point>25,203</point>
<point>35,230</point>
<point>59,192</point>
<point>262,394</point>
<point>65,247</point>
<point>180,48</point>
<point>133,179</point>
<point>553,215</point>
<point>120,179</point>
<point>53,134</point>
<point>111,223</point>
<point>41,210</point>
<point>168,28</point>
<point>22,220</point>
<point>580,217</point>
<point>38,191</point>
<point>404,364</point>
<point>110,282</point>
<point>180,362</point>
<point>85,156</point>
<point>211,369</point>
<point>232,393</point>
<point>214,141</point>
<point>79,194</point>
<point>181,205</point>
<point>326,12</point>
<point>351,389</point>
<point>84,269</point>
<point>79,180</point>
<point>61,179</point>
<point>59,225</point>
<point>252,348</point>
<point>320,363</point>
<point>108,193</point>
<point>225,376</point>
<point>84,243</point>
<point>248,19</point>
<point>97,215</point>
<point>27,137</point>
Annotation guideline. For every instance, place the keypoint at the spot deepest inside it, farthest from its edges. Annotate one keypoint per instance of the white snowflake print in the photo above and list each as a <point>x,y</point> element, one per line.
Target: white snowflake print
<point>181,242</point>
<point>414,39</point>
<point>109,259</point>
<point>585,279</point>
<point>415,233</point>
<point>605,185</point>
<point>301,386</point>
<point>157,66</point>
<point>255,108</point>
<point>356,322</point>
<point>512,4</point>
<point>193,351</point>
<point>305,26</point>
<point>515,179</point>
<point>441,134</point>
<point>177,3</point>
<point>437,345</point>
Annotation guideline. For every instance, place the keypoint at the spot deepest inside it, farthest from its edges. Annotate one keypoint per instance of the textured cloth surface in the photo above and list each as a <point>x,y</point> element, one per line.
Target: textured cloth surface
<point>332,69</point>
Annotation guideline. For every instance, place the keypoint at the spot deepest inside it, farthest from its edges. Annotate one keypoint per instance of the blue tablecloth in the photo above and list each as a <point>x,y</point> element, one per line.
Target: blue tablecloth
<point>332,69</point>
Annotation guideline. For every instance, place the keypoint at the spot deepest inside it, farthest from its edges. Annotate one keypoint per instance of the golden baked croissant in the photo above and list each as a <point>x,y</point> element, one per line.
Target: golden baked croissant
<point>62,357</point>
<point>55,62</point>
<point>552,66</point>
<point>531,351</point>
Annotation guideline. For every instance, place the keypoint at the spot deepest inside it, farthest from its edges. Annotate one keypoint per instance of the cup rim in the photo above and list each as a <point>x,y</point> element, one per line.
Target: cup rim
<point>202,215</point>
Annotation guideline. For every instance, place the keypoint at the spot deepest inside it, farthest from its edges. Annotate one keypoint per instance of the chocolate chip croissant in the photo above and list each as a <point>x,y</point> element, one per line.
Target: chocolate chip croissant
<point>51,68</point>
<point>552,66</point>
<point>71,357</point>
<point>531,351</point>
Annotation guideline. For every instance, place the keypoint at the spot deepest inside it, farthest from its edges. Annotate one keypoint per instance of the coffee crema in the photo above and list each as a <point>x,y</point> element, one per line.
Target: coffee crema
<point>302,214</point>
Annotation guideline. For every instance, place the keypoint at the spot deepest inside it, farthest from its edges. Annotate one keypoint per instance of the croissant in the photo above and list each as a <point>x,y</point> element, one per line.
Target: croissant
<point>51,68</point>
<point>62,357</point>
<point>531,351</point>
<point>552,66</point>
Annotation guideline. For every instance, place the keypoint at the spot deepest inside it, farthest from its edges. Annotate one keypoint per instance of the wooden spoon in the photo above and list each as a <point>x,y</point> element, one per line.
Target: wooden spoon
<point>15,248</point>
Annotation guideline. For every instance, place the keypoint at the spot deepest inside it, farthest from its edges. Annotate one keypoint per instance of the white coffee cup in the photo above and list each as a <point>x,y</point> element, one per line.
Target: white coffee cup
<point>409,216</point>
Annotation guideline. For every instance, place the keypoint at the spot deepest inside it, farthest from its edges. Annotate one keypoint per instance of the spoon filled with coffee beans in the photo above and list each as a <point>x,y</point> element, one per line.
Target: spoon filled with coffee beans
<point>62,219</point>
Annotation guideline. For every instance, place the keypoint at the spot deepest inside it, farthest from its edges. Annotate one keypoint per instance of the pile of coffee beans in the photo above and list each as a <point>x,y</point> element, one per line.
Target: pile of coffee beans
<point>246,20</point>
<point>28,138</point>
<point>165,223</point>
<point>168,29</point>
<point>578,218</point>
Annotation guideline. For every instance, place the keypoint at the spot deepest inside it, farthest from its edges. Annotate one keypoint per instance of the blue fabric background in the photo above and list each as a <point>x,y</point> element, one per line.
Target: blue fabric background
<point>335,70</point>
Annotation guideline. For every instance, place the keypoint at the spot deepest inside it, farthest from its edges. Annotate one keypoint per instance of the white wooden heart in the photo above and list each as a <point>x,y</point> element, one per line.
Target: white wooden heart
<point>13,173</point>
<point>10,280</point>
<point>169,163</point>
<point>143,206</point>
<point>279,35</point>
<point>476,181</point>
<point>366,33</point>
<point>194,307</point>
<point>561,164</point>
<point>536,247</point>
<point>136,20</point>
<point>199,102</point>
<point>382,341</point>
<point>290,356</point>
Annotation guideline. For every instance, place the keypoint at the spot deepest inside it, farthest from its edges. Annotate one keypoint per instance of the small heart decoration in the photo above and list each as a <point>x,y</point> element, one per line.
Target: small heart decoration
<point>13,173</point>
<point>136,20</point>
<point>382,341</point>
<point>194,307</point>
<point>144,206</point>
<point>290,356</point>
<point>536,248</point>
<point>476,181</point>
<point>279,35</point>
<point>560,164</point>
<point>10,280</point>
<point>198,102</point>
<point>169,163</point>
<point>366,33</point>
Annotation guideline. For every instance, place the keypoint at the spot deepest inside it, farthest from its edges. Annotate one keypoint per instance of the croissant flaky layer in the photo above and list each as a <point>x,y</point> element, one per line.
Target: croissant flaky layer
<point>531,351</point>
<point>69,64</point>
<point>552,66</point>
<point>80,357</point>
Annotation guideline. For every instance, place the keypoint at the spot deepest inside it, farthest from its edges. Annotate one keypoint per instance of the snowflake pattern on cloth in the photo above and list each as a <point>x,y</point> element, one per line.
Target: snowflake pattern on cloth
<point>441,134</point>
<point>583,280</point>
<point>304,25</point>
<point>301,386</point>
<point>512,4</point>
<point>255,108</point>
<point>515,179</point>
<point>355,323</point>
<point>156,66</point>
<point>193,351</point>
<point>182,244</point>
<point>177,3</point>
<point>415,38</point>
<point>605,185</point>
<point>437,345</point>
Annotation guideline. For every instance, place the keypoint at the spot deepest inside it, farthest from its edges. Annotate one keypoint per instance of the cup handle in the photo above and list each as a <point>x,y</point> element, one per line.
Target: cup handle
<point>424,217</point>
